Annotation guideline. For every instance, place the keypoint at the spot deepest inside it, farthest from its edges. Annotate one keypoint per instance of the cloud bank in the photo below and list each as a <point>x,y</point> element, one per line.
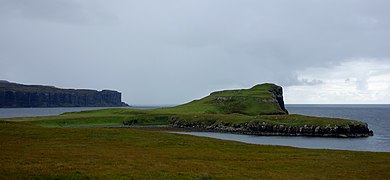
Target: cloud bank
<point>355,81</point>
<point>170,52</point>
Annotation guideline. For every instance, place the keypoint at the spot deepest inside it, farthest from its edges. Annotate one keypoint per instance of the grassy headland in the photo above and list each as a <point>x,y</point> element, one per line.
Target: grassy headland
<point>258,100</point>
<point>259,110</point>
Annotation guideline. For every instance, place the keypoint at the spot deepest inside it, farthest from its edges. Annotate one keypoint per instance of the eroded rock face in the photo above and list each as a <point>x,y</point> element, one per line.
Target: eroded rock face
<point>18,95</point>
<point>278,94</point>
<point>262,128</point>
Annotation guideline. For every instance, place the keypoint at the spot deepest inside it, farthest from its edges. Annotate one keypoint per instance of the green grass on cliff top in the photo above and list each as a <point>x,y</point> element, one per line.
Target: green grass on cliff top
<point>243,101</point>
<point>32,152</point>
<point>258,91</point>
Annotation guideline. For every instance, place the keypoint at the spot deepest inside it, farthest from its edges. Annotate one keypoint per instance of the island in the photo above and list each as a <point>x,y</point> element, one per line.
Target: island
<point>14,95</point>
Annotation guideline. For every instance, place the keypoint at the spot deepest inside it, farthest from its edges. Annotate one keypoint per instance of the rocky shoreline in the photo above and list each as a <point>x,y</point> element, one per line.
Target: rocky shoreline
<point>264,129</point>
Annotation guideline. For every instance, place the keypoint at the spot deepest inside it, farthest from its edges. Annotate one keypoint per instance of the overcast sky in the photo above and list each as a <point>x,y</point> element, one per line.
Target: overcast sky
<point>174,51</point>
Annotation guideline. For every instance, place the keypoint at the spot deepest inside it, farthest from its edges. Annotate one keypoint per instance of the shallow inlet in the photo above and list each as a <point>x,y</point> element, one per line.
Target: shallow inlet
<point>354,144</point>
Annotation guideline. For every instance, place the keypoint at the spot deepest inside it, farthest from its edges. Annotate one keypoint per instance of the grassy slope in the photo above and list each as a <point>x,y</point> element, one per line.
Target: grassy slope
<point>244,101</point>
<point>35,152</point>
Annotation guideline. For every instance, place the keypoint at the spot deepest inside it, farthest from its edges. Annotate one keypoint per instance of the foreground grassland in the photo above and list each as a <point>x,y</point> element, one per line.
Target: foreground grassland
<point>29,151</point>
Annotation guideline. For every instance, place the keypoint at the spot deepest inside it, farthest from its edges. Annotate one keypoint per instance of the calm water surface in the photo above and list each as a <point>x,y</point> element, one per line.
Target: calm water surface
<point>25,112</point>
<point>377,116</point>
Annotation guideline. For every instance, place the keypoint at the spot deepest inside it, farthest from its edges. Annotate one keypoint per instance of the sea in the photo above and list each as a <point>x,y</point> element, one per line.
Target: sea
<point>377,117</point>
<point>26,112</point>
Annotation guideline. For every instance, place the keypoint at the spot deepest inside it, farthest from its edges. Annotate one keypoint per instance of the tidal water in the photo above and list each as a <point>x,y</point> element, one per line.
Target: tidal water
<point>26,112</point>
<point>377,116</point>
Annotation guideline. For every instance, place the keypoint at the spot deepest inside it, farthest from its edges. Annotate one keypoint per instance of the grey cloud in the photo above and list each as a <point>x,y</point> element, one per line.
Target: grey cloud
<point>174,51</point>
<point>311,82</point>
<point>361,84</point>
<point>60,11</point>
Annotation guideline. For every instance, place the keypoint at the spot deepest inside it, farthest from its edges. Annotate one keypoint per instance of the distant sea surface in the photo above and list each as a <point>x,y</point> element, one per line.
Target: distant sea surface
<point>25,112</point>
<point>377,117</point>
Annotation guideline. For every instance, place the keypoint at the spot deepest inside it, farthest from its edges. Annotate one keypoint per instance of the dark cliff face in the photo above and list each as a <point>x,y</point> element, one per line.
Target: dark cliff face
<point>18,95</point>
<point>277,92</point>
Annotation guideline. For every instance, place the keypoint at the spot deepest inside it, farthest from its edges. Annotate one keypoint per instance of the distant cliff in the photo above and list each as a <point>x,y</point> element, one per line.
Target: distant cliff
<point>19,95</point>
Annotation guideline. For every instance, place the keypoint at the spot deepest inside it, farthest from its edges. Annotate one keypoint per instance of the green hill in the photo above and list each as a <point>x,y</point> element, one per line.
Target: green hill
<point>259,100</point>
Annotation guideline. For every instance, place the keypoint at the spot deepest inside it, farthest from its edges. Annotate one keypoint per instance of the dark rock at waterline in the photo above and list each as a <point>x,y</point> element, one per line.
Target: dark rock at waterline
<point>262,128</point>
<point>130,122</point>
<point>19,95</point>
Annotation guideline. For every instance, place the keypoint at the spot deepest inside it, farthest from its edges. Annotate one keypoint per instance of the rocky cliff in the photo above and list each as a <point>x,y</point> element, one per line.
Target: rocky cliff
<point>19,95</point>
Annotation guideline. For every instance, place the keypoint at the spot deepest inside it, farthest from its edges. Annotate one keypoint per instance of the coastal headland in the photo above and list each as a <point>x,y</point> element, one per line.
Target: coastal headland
<point>74,146</point>
<point>259,110</point>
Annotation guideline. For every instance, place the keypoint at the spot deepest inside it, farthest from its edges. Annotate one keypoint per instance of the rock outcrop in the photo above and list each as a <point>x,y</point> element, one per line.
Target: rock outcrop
<point>19,95</point>
<point>264,129</point>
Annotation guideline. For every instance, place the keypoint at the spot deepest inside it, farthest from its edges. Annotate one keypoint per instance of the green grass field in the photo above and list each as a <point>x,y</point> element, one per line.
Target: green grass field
<point>32,152</point>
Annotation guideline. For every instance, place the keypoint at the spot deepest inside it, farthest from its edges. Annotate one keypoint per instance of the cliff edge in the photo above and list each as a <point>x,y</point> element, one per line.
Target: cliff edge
<point>18,95</point>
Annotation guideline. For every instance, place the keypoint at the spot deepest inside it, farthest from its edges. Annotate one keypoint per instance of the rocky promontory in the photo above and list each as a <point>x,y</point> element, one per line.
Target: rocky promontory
<point>18,95</point>
<point>267,129</point>
<point>259,110</point>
